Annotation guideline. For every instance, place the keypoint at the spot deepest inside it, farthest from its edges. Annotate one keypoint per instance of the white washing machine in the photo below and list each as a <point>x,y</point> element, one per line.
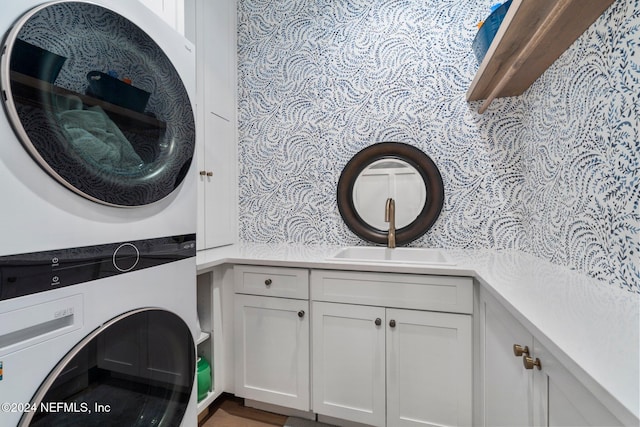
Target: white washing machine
<point>113,351</point>
<point>97,195</point>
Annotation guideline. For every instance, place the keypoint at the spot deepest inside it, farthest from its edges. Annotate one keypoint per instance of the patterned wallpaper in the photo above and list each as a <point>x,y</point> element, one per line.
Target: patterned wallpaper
<point>581,151</point>
<point>554,172</point>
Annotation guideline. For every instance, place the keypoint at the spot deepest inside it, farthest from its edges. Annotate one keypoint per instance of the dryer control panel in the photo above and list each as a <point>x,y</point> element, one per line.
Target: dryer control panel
<point>35,272</point>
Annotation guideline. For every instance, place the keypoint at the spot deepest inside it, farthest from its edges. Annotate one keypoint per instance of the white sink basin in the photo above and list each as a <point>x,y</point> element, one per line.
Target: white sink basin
<point>379,254</point>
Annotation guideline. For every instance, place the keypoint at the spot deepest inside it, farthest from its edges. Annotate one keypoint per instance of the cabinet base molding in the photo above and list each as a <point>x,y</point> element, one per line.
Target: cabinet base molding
<point>290,412</point>
<point>307,415</point>
<point>338,422</point>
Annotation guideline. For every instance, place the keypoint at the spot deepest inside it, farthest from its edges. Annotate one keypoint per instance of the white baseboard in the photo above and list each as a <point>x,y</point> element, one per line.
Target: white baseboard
<point>338,422</point>
<point>307,415</point>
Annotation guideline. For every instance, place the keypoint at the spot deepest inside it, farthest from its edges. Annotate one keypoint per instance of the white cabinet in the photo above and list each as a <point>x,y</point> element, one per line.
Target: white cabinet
<point>215,40</point>
<point>217,43</point>
<point>171,11</point>
<point>506,387</point>
<point>349,362</point>
<point>272,350</point>
<point>387,366</point>
<point>272,336</point>
<point>514,395</point>
<point>429,359</point>
<point>272,281</point>
<point>562,401</point>
<point>216,185</point>
<point>390,349</point>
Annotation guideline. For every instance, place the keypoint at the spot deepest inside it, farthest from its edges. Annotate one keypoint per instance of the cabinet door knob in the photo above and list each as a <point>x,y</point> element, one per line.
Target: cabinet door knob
<point>378,321</point>
<point>203,173</point>
<point>268,282</point>
<point>392,323</point>
<point>209,173</point>
<point>529,363</point>
<point>519,350</point>
<point>301,314</point>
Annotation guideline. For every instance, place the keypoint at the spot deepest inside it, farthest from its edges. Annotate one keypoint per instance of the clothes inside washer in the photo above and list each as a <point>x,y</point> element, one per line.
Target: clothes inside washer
<point>95,136</point>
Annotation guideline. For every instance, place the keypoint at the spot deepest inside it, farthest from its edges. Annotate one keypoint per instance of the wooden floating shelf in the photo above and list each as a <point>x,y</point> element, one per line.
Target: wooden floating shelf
<point>533,34</point>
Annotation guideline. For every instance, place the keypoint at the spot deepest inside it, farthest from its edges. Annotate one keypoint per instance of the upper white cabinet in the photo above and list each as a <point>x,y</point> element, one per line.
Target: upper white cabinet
<point>215,40</point>
<point>526,385</point>
<point>218,45</point>
<point>217,199</point>
<point>172,11</point>
<point>532,36</point>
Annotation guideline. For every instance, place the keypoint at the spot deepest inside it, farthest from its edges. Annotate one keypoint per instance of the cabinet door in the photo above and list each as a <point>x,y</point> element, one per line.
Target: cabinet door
<point>560,399</point>
<point>348,362</point>
<point>216,121</point>
<point>272,350</point>
<point>218,216</point>
<point>429,362</point>
<point>219,43</point>
<point>506,387</point>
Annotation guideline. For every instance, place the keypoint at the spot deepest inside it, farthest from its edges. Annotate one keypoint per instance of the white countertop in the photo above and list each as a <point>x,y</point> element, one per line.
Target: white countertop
<point>592,328</point>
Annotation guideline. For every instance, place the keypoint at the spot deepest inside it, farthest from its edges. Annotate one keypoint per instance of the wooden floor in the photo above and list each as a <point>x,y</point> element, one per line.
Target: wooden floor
<point>230,412</point>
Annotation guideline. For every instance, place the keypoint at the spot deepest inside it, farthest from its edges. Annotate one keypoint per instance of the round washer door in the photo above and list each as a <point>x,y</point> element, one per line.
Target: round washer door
<point>97,103</point>
<point>135,370</point>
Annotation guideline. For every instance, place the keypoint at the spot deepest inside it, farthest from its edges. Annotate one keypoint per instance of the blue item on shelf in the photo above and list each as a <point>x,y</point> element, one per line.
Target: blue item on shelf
<point>488,31</point>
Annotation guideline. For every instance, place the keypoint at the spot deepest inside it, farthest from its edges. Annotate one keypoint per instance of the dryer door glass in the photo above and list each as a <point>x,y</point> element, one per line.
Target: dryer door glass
<point>136,370</point>
<point>97,103</point>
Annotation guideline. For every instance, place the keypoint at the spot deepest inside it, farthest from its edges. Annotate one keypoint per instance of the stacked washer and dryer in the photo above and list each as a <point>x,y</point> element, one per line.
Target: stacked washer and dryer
<point>97,217</point>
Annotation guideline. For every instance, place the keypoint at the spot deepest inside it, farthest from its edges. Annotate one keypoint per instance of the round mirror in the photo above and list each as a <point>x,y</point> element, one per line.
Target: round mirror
<point>389,178</point>
<point>390,170</point>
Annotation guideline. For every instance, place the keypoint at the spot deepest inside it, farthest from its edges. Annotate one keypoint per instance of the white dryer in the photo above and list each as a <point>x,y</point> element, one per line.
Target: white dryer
<point>98,128</point>
<point>97,189</point>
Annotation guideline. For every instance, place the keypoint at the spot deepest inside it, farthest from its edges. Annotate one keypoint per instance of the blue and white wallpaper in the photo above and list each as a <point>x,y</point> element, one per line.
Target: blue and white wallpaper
<point>554,172</point>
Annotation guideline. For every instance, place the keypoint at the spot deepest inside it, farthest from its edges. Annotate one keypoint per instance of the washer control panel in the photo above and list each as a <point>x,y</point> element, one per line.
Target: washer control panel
<point>30,273</point>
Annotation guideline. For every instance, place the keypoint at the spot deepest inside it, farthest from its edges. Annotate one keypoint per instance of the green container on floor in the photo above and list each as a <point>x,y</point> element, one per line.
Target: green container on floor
<point>204,378</point>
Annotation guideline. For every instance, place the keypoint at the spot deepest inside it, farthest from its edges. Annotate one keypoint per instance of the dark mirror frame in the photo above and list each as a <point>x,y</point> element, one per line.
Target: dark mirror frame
<point>400,151</point>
